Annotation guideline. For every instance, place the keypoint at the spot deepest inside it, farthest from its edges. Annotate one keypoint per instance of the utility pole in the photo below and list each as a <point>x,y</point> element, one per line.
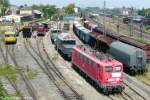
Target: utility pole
<point>104,17</point>
<point>118,25</point>
<point>141,29</point>
<point>131,22</point>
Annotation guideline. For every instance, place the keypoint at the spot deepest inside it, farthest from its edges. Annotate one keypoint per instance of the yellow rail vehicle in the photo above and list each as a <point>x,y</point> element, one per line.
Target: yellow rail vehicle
<point>10,37</point>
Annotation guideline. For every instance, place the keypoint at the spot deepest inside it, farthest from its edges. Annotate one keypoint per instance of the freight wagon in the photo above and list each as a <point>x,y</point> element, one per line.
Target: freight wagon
<point>82,33</point>
<point>103,43</point>
<point>133,58</point>
<point>122,38</point>
<point>64,43</point>
<point>101,68</point>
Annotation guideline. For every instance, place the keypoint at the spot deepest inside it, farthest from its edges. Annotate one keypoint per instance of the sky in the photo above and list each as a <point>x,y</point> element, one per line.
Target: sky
<point>88,3</point>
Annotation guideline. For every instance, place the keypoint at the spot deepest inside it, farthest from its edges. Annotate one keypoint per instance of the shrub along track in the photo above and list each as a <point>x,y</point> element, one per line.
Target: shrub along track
<point>54,74</point>
<point>13,84</point>
<point>27,82</point>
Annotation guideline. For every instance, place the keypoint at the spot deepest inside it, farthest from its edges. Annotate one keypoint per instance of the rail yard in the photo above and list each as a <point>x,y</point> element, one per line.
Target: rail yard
<point>84,55</point>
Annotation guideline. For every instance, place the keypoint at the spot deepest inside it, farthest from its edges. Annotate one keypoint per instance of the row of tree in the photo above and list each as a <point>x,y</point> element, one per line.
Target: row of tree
<point>145,12</point>
<point>4,4</point>
<point>51,10</point>
<point>48,10</point>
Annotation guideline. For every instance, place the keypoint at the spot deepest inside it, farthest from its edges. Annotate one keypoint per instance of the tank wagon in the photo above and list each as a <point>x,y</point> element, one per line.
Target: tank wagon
<point>133,58</point>
<point>64,43</point>
<point>105,71</point>
<point>27,32</point>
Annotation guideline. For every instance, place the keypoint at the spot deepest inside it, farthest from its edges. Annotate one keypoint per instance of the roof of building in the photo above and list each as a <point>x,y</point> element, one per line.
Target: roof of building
<point>9,33</point>
<point>37,12</point>
<point>26,8</point>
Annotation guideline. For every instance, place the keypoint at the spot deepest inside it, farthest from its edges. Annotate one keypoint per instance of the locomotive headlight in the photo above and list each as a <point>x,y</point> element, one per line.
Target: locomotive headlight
<point>118,79</point>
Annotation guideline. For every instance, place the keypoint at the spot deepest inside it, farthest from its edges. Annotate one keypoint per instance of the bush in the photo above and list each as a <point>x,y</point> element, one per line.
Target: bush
<point>147,27</point>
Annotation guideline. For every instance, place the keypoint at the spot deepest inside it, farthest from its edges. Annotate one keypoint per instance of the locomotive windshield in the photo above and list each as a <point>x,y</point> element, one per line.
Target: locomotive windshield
<point>69,42</point>
<point>55,31</point>
<point>118,68</point>
<point>109,68</point>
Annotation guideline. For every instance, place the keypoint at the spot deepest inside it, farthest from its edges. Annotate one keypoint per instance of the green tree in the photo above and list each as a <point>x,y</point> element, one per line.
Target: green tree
<point>145,12</point>
<point>4,4</point>
<point>48,10</point>
<point>69,9</point>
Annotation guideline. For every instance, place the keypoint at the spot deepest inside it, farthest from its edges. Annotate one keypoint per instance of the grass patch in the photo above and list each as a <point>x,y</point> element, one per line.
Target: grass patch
<point>147,27</point>
<point>148,66</point>
<point>9,71</point>
<point>55,56</point>
<point>142,40</point>
<point>2,91</point>
<point>31,74</point>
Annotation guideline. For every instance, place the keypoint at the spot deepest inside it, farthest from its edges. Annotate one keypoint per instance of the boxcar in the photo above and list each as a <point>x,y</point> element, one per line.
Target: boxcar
<point>64,43</point>
<point>105,71</point>
<point>133,58</point>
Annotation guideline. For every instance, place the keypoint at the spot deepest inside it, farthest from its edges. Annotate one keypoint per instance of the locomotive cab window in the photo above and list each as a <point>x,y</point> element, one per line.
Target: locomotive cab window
<point>118,68</point>
<point>109,69</point>
<point>69,42</point>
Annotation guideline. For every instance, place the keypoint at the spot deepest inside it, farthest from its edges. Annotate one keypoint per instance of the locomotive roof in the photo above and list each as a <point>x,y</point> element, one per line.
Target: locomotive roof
<point>9,33</point>
<point>81,28</point>
<point>86,31</point>
<point>55,29</point>
<point>97,54</point>
<point>66,36</point>
<point>75,22</point>
<point>99,57</point>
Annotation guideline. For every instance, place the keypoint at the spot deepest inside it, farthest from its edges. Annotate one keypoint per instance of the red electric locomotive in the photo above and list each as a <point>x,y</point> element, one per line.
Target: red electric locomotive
<point>101,68</point>
<point>41,31</point>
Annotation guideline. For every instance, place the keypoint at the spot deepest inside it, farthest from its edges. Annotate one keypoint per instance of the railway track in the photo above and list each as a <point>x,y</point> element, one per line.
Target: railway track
<point>59,74</point>
<point>126,95</point>
<point>132,94</point>
<point>27,82</point>
<point>13,84</point>
<point>55,75</point>
<point>136,30</point>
